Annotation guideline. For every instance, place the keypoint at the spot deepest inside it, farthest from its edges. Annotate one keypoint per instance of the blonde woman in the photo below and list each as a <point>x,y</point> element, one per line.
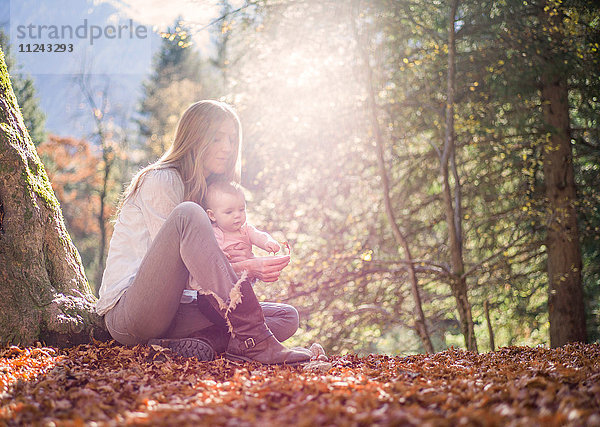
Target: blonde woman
<point>163,239</point>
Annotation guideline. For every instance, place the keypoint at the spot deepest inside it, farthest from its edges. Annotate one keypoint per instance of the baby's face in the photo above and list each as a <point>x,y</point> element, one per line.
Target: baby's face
<point>229,211</point>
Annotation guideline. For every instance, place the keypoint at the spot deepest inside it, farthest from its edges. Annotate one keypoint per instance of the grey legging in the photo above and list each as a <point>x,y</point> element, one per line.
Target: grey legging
<point>150,308</point>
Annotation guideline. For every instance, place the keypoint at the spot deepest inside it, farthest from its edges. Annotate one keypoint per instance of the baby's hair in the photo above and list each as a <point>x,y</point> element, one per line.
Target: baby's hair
<point>221,186</point>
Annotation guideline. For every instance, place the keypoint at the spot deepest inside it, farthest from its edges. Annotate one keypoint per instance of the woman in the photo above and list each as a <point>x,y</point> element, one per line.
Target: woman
<point>163,238</point>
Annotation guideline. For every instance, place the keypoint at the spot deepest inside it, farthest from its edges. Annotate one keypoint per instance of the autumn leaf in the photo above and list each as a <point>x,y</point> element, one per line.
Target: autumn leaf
<point>108,383</point>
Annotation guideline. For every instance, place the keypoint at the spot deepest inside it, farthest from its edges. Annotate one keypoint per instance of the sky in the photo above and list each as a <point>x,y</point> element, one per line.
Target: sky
<point>126,61</point>
<point>160,13</point>
<point>151,16</point>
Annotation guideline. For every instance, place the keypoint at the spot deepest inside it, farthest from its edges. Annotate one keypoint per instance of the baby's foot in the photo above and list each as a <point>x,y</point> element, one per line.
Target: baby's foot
<point>318,353</point>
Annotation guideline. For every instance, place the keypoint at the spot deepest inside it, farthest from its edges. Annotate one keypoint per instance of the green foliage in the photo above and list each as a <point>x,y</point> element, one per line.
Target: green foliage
<point>315,163</point>
<point>586,143</point>
<point>310,160</point>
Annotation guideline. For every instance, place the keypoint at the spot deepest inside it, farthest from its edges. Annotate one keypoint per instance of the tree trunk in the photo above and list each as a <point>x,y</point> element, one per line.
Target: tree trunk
<point>44,294</point>
<point>99,115</point>
<point>486,308</point>
<point>565,290</point>
<point>420,325</point>
<point>453,213</point>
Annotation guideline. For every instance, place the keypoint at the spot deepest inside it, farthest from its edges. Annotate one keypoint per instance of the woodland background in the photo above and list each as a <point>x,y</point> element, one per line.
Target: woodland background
<point>351,147</point>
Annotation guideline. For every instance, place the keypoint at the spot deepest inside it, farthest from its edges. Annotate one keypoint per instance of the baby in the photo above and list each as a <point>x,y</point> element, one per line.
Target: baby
<point>226,207</point>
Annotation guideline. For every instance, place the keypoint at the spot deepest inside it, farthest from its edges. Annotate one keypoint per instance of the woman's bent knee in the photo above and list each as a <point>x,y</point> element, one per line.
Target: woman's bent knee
<point>282,319</point>
<point>190,209</point>
<point>192,212</point>
<point>292,317</point>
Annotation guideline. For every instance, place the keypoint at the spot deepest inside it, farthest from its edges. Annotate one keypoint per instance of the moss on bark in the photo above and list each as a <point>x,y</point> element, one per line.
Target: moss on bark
<point>44,293</point>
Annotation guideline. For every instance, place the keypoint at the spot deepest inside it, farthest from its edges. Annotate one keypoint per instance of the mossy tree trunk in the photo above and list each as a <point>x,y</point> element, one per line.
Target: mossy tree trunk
<point>44,293</point>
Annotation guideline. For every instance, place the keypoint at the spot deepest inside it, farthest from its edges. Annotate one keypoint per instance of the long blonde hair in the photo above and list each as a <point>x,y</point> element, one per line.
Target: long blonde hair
<point>195,131</point>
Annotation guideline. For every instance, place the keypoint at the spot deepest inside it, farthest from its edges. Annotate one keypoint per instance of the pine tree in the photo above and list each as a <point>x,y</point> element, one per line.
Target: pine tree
<point>174,84</point>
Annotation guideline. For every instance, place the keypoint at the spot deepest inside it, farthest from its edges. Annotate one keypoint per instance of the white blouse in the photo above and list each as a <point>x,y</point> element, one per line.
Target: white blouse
<point>139,221</point>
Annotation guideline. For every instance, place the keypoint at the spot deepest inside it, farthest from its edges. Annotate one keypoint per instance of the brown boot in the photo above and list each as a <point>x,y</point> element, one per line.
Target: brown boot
<point>251,339</point>
<point>187,347</point>
<point>217,337</point>
<point>217,334</point>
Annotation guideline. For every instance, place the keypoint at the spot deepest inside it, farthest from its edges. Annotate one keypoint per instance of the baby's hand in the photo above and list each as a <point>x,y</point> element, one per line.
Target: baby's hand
<point>273,246</point>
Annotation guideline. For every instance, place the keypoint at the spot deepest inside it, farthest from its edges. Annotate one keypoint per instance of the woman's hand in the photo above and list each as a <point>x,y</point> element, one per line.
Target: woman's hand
<point>265,268</point>
<point>238,252</point>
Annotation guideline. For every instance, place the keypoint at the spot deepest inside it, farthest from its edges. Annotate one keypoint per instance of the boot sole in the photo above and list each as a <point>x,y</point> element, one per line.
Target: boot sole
<point>237,358</point>
<point>187,347</point>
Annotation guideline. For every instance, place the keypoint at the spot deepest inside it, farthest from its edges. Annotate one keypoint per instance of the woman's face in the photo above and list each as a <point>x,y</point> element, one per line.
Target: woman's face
<point>220,149</point>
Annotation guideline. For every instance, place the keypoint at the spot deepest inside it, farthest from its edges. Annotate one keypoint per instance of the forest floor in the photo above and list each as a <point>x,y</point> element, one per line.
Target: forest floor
<point>106,384</point>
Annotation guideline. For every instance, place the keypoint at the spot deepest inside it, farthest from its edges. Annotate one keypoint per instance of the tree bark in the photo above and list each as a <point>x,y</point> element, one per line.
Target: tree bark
<point>44,294</point>
<point>565,290</point>
<point>453,213</point>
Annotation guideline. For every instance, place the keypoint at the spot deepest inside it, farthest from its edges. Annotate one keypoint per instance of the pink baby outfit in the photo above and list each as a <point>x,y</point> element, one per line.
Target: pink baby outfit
<point>247,235</point>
